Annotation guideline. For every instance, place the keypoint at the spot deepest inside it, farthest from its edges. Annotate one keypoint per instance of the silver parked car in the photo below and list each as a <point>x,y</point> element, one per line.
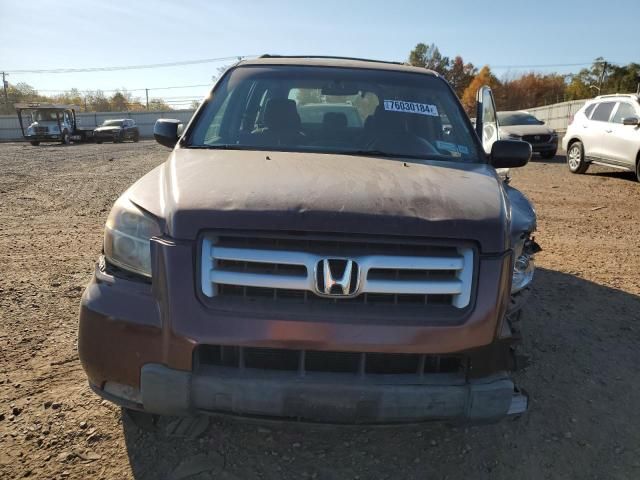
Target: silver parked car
<point>605,131</point>
<point>524,126</point>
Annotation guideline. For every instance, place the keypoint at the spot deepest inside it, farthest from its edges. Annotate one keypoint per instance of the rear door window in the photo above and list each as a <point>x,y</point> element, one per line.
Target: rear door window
<point>603,111</point>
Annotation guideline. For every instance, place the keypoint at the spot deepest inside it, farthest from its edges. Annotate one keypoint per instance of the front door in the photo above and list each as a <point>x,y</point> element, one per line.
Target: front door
<point>596,133</point>
<point>486,118</point>
<point>621,141</point>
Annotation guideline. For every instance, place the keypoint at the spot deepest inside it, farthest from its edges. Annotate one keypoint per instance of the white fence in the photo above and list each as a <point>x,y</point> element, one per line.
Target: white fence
<point>10,126</point>
<point>557,115</point>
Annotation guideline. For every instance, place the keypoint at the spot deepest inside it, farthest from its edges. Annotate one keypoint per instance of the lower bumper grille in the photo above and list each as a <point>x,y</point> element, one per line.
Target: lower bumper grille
<point>536,138</point>
<point>303,361</point>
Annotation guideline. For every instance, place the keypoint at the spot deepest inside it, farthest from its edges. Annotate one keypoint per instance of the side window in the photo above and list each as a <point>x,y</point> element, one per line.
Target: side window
<point>589,109</point>
<point>625,110</point>
<point>603,111</point>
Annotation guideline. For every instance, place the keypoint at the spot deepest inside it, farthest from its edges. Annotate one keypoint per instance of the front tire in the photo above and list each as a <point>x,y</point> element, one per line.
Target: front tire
<point>638,167</point>
<point>66,138</point>
<point>35,143</point>
<point>548,155</point>
<point>98,142</point>
<point>575,158</point>
<point>136,137</point>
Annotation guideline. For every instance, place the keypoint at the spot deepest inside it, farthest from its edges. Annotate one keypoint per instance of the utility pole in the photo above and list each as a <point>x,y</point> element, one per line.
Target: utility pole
<point>146,91</point>
<point>604,70</point>
<point>5,84</point>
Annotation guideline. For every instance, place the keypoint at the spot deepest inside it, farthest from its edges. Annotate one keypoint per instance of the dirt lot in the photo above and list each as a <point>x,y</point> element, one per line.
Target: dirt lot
<point>582,333</point>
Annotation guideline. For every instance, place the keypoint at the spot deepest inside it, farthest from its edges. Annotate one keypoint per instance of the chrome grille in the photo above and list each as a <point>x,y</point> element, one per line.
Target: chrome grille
<point>286,269</point>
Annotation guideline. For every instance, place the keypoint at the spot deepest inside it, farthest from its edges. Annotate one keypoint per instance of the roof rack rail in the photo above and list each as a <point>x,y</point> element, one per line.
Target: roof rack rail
<point>331,57</point>
<point>618,95</point>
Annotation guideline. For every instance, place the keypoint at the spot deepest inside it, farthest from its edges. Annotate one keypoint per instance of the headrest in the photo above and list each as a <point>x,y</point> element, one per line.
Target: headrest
<point>334,120</point>
<point>281,114</point>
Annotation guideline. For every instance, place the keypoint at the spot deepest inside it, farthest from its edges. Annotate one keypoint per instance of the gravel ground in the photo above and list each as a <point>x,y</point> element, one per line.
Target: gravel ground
<point>581,332</point>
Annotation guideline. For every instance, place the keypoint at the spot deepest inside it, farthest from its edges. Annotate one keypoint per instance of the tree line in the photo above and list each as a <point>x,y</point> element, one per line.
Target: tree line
<point>531,89</point>
<point>92,101</point>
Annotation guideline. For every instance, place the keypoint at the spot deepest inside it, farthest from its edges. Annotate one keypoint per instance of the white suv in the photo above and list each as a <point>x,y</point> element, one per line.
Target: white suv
<point>605,131</point>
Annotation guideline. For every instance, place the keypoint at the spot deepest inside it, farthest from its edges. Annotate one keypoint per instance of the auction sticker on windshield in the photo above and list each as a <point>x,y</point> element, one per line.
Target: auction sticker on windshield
<point>411,107</point>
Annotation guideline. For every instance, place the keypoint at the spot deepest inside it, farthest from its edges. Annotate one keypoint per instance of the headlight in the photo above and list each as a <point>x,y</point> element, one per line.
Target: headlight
<point>523,271</point>
<point>126,237</point>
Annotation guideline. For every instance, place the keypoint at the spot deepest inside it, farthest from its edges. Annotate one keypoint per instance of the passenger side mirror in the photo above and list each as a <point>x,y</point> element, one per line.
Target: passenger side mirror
<point>510,153</point>
<point>634,121</point>
<point>165,131</point>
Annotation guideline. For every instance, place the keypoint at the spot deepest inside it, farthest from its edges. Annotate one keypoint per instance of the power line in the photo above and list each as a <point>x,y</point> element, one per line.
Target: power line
<point>550,65</point>
<point>128,89</point>
<point>132,67</point>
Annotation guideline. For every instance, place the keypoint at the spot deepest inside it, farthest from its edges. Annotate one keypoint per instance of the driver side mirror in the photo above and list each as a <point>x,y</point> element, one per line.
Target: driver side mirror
<point>510,153</point>
<point>165,131</point>
<point>634,121</point>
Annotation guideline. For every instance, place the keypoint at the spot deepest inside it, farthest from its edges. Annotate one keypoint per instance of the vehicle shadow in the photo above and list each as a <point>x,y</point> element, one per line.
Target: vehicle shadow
<point>557,159</point>
<point>620,174</point>
<point>581,338</point>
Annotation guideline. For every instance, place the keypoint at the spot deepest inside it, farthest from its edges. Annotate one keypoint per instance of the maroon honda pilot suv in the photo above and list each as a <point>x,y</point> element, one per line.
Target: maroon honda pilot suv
<point>348,271</point>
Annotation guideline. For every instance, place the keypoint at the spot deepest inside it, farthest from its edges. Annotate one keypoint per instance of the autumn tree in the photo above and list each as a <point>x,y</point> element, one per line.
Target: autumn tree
<point>460,75</point>
<point>484,77</point>
<point>530,90</point>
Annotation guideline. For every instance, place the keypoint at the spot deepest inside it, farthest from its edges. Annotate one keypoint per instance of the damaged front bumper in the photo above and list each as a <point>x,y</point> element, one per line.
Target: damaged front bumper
<point>326,398</point>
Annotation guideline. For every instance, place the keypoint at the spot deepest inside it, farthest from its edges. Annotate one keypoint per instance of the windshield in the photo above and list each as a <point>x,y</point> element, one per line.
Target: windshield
<point>112,123</point>
<point>335,110</point>
<point>47,115</point>
<point>510,119</point>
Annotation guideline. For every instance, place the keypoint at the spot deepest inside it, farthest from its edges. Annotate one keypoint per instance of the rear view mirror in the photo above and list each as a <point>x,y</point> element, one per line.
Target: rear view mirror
<point>635,121</point>
<point>165,131</point>
<point>510,153</point>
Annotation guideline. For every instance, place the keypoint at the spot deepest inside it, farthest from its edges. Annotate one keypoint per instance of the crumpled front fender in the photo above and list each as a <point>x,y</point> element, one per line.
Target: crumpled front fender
<point>523,216</point>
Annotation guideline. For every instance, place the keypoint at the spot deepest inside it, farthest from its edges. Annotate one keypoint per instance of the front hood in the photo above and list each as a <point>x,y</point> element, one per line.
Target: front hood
<point>107,129</point>
<point>250,190</point>
<point>521,130</point>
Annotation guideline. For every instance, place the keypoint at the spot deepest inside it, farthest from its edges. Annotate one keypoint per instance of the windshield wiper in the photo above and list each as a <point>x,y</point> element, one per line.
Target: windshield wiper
<point>224,146</point>
<point>380,153</point>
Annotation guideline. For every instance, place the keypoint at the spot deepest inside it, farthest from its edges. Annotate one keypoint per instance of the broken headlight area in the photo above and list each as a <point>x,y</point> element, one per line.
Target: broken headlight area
<point>524,266</point>
<point>127,237</point>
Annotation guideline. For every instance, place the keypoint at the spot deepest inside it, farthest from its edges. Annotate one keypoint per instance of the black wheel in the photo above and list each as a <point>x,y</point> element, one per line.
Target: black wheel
<point>98,142</point>
<point>35,143</point>
<point>638,167</point>
<point>548,155</point>
<point>136,137</point>
<point>66,138</point>
<point>118,137</point>
<point>575,158</point>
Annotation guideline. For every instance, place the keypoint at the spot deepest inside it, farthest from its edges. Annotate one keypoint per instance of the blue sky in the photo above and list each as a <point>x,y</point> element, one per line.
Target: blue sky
<point>42,34</point>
